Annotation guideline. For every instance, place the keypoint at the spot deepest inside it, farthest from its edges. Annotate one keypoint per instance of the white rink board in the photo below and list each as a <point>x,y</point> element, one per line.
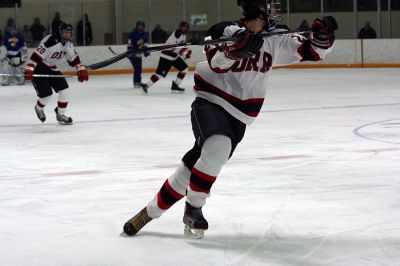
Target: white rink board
<point>381,51</point>
<point>314,182</point>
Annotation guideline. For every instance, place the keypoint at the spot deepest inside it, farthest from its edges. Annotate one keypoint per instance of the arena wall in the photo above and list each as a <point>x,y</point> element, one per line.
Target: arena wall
<point>346,53</point>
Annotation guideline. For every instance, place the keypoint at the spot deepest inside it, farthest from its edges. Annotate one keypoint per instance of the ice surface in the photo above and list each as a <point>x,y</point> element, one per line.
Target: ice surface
<point>316,180</point>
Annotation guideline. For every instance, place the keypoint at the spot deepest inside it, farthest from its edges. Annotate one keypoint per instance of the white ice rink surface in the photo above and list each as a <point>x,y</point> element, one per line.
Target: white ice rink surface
<point>316,180</point>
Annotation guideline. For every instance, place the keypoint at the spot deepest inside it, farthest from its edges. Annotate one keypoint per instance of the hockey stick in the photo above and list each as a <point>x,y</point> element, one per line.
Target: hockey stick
<point>184,44</point>
<point>37,75</point>
<point>112,51</point>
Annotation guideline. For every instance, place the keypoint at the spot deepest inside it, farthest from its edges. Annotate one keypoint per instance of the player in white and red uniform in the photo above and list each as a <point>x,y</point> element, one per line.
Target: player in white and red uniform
<point>43,61</point>
<point>230,88</point>
<point>173,58</point>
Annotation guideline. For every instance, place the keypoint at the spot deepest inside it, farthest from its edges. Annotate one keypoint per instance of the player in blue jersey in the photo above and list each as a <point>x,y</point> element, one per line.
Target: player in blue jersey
<point>137,40</point>
<point>14,53</point>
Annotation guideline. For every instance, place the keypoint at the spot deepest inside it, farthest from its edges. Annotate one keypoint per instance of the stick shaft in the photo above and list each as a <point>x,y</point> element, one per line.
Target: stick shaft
<point>171,46</point>
<point>37,75</point>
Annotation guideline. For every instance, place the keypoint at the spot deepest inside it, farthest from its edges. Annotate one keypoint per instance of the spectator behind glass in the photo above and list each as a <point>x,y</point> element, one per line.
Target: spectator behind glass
<point>304,26</point>
<point>10,22</point>
<point>56,23</point>
<point>88,31</point>
<point>158,35</point>
<point>26,33</point>
<point>367,32</point>
<point>37,30</point>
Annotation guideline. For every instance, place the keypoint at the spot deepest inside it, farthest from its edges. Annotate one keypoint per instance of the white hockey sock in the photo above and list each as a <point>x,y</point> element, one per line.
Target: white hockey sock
<point>153,79</point>
<point>63,97</point>
<point>181,75</point>
<point>42,102</point>
<point>171,191</point>
<point>214,154</point>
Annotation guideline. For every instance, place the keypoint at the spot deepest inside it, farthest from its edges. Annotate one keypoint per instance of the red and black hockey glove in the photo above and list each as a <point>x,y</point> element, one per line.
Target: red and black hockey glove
<point>246,46</point>
<point>83,74</point>
<point>323,34</point>
<point>28,71</point>
<point>188,54</point>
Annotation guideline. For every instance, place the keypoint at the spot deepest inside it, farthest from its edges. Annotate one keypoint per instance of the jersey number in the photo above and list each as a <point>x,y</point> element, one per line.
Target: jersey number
<point>40,49</point>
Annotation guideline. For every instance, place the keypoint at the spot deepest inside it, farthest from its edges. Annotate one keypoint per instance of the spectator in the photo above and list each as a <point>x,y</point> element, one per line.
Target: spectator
<point>10,23</point>
<point>196,37</point>
<point>158,35</point>
<point>56,23</point>
<point>37,30</point>
<point>88,31</point>
<point>26,33</point>
<point>304,26</point>
<point>367,32</point>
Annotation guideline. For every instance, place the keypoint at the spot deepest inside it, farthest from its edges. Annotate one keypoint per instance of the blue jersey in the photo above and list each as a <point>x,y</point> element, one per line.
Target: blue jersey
<point>137,40</point>
<point>14,44</point>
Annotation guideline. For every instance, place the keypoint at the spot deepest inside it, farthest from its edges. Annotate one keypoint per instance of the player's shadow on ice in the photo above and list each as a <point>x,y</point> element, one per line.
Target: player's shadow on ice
<point>276,248</point>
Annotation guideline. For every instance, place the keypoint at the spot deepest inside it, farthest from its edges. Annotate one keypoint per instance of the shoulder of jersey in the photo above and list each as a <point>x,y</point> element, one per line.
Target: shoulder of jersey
<point>178,33</point>
<point>51,41</point>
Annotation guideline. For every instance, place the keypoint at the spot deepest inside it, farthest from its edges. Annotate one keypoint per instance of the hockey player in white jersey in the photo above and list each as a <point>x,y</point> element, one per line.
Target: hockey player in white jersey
<point>230,90</point>
<point>43,61</point>
<point>172,58</point>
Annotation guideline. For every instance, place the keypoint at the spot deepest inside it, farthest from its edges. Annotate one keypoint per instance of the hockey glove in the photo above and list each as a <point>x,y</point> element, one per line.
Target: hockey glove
<point>188,54</point>
<point>323,34</point>
<point>246,46</point>
<point>146,53</point>
<point>28,71</point>
<point>83,74</point>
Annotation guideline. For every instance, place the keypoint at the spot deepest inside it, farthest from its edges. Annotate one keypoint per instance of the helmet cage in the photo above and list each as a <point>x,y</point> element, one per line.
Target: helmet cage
<point>65,28</point>
<point>270,10</point>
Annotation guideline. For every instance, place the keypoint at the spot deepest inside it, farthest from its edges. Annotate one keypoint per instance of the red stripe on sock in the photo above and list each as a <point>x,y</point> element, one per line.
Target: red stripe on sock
<point>62,104</point>
<point>204,176</point>
<point>172,191</point>
<point>40,104</point>
<point>154,78</point>
<point>161,203</point>
<point>198,189</point>
<point>181,75</point>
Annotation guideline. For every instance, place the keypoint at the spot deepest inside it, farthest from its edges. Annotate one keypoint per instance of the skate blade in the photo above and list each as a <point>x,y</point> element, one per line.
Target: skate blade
<point>193,233</point>
<point>65,123</point>
<point>123,234</point>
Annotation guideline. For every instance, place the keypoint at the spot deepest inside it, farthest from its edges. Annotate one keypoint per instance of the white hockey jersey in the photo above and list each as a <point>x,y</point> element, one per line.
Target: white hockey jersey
<point>51,50</point>
<point>240,86</point>
<point>176,37</point>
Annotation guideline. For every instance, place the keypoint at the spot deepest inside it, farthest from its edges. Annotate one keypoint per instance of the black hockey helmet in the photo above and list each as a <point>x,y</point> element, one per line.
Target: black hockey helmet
<point>184,24</point>
<point>268,9</point>
<point>65,28</point>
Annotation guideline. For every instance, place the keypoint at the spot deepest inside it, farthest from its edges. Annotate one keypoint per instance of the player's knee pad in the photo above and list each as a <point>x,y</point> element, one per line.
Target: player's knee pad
<point>216,150</point>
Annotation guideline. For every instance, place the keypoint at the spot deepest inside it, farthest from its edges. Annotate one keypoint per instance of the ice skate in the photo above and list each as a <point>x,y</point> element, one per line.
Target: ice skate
<point>63,119</point>
<point>144,87</point>
<point>40,114</point>
<point>176,88</point>
<point>137,222</point>
<point>194,221</point>
<point>138,85</point>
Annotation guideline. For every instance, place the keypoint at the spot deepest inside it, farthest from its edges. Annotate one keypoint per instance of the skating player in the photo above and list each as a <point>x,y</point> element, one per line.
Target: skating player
<point>137,40</point>
<point>173,58</point>
<point>51,50</point>
<point>230,89</point>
